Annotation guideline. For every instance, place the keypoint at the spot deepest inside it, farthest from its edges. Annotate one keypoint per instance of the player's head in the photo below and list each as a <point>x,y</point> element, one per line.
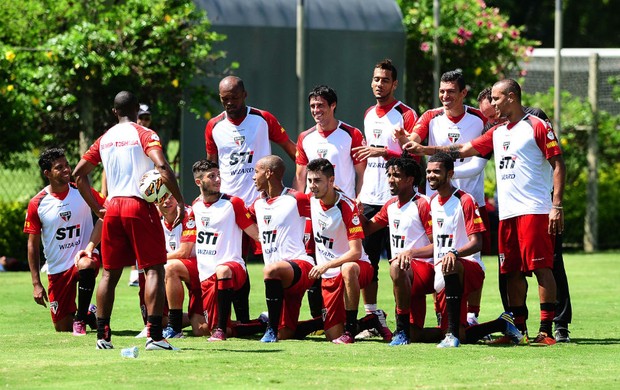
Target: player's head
<point>506,97</point>
<point>233,95</point>
<point>452,89</point>
<point>54,166</point>
<point>323,102</point>
<point>207,177</point>
<point>439,170</point>
<point>484,104</point>
<point>168,206</point>
<point>384,80</point>
<point>403,174</point>
<point>126,105</point>
<point>144,115</point>
<point>269,169</point>
<point>320,177</point>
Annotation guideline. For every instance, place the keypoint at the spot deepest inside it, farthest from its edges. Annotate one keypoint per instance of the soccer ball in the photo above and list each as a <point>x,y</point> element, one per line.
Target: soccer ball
<point>152,187</point>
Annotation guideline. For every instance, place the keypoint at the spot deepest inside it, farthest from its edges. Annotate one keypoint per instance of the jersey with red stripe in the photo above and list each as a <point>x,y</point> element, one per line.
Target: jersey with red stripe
<point>281,222</point>
<point>218,232</point>
<point>333,228</point>
<point>239,146</point>
<point>123,151</point>
<point>64,222</point>
<point>410,224</point>
<point>379,125</point>
<point>174,235</point>
<point>334,146</point>
<point>524,176</point>
<point>442,130</point>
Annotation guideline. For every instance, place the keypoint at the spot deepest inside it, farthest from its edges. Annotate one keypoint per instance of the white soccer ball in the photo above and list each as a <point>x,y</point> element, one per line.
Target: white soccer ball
<point>152,187</point>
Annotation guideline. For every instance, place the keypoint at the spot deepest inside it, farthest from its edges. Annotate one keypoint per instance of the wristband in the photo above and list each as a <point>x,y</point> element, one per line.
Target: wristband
<point>454,252</point>
<point>557,207</point>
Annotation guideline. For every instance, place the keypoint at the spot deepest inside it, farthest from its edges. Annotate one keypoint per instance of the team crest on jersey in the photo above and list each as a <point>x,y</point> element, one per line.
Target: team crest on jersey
<point>453,137</point>
<point>501,257</point>
<point>54,307</point>
<point>550,135</point>
<point>321,152</point>
<point>377,133</point>
<point>396,223</point>
<point>306,238</point>
<point>355,219</point>
<point>65,215</point>
<point>267,219</point>
<point>440,222</point>
<point>239,140</point>
<point>506,145</point>
<point>191,223</point>
<point>322,224</point>
<point>205,221</point>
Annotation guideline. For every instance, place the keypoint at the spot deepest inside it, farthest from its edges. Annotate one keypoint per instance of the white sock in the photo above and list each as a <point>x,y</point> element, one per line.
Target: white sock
<point>370,308</point>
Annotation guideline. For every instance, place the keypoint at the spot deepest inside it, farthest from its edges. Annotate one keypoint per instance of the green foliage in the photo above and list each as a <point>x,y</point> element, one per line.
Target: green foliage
<point>63,62</point>
<point>13,242</point>
<point>472,37</point>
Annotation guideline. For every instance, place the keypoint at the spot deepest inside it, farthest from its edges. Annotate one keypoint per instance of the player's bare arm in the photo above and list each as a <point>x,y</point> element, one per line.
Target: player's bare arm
<point>34,262</point>
<point>252,231</point>
<point>289,147</point>
<point>301,173</point>
<point>353,254</point>
<point>93,241</point>
<point>81,172</point>
<point>403,259</point>
<point>455,151</point>
<point>402,136</point>
<point>184,251</point>
<point>364,152</point>
<point>556,215</point>
<point>359,176</point>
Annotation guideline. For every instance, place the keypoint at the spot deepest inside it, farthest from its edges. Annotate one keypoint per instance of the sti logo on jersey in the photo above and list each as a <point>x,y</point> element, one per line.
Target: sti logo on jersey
<point>267,219</point>
<point>440,222</point>
<point>205,221</point>
<point>65,215</point>
<point>239,140</point>
<point>506,145</point>
<point>321,152</point>
<point>377,133</point>
<point>396,223</point>
<point>453,137</point>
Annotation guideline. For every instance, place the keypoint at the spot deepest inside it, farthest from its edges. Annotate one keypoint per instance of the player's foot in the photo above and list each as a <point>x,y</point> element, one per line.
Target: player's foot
<point>169,333</point>
<point>217,335</point>
<point>143,333</point>
<point>161,345</point>
<point>103,344</point>
<point>561,335</point>
<point>79,328</point>
<point>543,340</point>
<point>346,338</point>
<point>400,338</point>
<point>271,336</point>
<point>472,319</point>
<point>511,330</point>
<point>367,333</point>
<point>450,341</point>
<point>264,317</point>
<point>91,317</point>
<point>384,331</point>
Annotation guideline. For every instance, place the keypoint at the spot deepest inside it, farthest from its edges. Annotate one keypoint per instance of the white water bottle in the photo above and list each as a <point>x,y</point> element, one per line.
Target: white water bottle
<point>130,352</point>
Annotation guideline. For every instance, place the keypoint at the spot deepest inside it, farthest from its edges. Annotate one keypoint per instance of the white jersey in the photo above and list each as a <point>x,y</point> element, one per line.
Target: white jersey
<point>333,228</point>
<point>218,232</point>
<point>281,222</point>
<point>64,224</point>
<point>174,235</point>
<point>379,125</point>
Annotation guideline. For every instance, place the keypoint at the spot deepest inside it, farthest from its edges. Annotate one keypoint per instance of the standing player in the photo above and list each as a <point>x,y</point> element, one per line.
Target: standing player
<point>281,215</point>
<point>380,121</point>
<point>127,151</point>
<point>529,166</point>
<point>60,219</point>
<point>341,260</point>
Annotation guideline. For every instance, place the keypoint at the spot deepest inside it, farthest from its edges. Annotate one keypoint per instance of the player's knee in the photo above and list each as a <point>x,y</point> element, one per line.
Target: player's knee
<point>271,271</point>
<point>350,270</point>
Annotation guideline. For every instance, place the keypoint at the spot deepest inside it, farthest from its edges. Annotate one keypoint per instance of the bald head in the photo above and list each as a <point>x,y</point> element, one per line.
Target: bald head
<point>508,86</point>
<point>273,163</point>
<point>126,105</point>
<point>229,83</point>
<point>232,96</point>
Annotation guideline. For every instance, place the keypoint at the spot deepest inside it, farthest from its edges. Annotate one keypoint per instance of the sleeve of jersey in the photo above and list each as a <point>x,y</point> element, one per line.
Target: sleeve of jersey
<point>92,154</point>
<point>424,210</point>
<point>409,119</point>
<point>300,157</point>
<point>252,210</point>
<point>351,219</point>
<point>546,139</point>
<point>32,225</point>
<point>357,139</point>
<point>149,139</point>
<point>210,142</point>
<point>381,217</point>
<point>473,221</point>
<point>421,125</point>
<point>243,218</point>
<point>277,133</point>
<point>98,197</point>
<point>303,204</point>
<point>189,226</point>
<point>484,143</point>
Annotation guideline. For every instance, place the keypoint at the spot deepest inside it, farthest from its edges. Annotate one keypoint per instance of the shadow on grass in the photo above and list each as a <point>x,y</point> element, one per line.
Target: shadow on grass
<point>609,341</point>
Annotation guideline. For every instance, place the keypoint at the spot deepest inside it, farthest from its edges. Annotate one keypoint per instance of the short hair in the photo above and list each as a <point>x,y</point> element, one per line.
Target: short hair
<point>444,158</point>
<point>386,64</point>
<point>327,93</point>
<point>126,103</point>
<point>454,76</point>
<point>485,94</point>
<point>48,157</point>
<point>321,165</point>
<point>201,166</point>
<point>509,85</point>
<point>275,164</point>
<point>406,165</point>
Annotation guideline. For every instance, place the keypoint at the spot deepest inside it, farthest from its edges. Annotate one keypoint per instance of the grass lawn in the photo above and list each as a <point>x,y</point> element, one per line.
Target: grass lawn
<point>33,355</point>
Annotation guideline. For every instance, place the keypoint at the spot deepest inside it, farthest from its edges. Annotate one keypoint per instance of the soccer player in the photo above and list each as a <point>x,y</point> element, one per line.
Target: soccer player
<point>529,166</point>
<point>281,214</point>
<point>380,121</point>
<point>341,261</point>
<point>59,218</point>
<point>127,151</point>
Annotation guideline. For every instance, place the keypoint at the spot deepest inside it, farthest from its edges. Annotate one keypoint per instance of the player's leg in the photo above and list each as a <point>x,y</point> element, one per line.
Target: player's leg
<point>454,298</point>
<point>61,293</point>
<point>105,302</point>
<point>225,294</point>
<point>334,312</point>
<point>87,273</point>
<point>277,277</point>
<point>176,274</point>
<point>350,275</point>
<point>563,308</point>
<point>154,295</point>
<point>401,281</point>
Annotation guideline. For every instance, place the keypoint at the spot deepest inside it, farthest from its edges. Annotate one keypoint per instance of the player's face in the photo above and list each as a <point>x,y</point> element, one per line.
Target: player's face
<point>488,111</point>
<point>398,182</point>
<point>144,120</point>
<point>436,175</point>
<point>500,102</point>
<point>319,184</point>
<point>450,95</point>
<point>321,112</point>
<point>168,205</point>
<point>60,172</point>
<point>383,85</point>
<point>210,182</point>
<point>260,177</point>
<point>233,100</point>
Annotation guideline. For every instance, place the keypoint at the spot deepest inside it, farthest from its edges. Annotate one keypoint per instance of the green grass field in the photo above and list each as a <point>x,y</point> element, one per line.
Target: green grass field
<point>33,355</point>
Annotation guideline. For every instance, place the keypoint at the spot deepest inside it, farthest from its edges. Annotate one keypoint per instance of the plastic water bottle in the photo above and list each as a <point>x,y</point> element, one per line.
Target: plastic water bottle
<point>130,352</point>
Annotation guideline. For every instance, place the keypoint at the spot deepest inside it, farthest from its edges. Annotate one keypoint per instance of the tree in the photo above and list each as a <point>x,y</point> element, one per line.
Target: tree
<point>472,37</point>
<point>64,61</point>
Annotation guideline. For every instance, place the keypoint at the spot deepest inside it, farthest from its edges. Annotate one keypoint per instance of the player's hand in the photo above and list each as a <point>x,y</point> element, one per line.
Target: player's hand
<point>360,205</point>
<point>100,213</point>
<point>399,134</point>
<point>413,147</point>
<point>82,253</point>
<point>403,260</point>
<point>556,221</point>
<point>361,153</point>
<point>317,271</point>
<point>40,295</point>
<point>180,214</point>
<point>448,263</point>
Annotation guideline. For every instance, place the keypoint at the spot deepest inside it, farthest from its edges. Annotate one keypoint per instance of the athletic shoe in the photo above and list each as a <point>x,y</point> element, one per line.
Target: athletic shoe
<point>346,338</point>
<point>543,340</point>
<point>161,345</point>
<point>367,333</point>
<point>79,328</point>
<point>449,342</point>
<point>103,344</point>
<point>217,335</point>
<point>271,336</point>
<point>472,319</point>
<point>400,338</point>
<point>511,330</point>
<point>264,317</point>
<point>169,333</point>
<point>384,331</point>
<point>143,333</point>
<point>561,335</point>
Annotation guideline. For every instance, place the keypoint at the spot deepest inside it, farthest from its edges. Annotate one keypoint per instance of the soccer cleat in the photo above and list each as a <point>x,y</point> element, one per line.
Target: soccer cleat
<point>161,345</point>
<point>79,328</point>
<point>169,333</point>
<point>103,344</point>
<point>143,333</point>
<point>511,330</point>
<point>400,338</point>
<point>472,319</point>
<point>450,341</point>
<point>217,335</point>
<point>271,336</point>
<point>543,340</point>
<point>561,335</point>
<point>384,331</point>
<point>346,338</point>
<point>367,333</point>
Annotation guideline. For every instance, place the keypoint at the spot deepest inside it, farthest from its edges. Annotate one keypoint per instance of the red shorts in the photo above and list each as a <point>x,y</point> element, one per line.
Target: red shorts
<point>62,291</point>
<point>525,244</point>
<point>294,295</point>
<point>333,295</point>
<point>486,235</point>
<point>473,278</point>
<point>194,291</point>
<point>209,292</point>
<point>132,231</point>
<point>422,284</point>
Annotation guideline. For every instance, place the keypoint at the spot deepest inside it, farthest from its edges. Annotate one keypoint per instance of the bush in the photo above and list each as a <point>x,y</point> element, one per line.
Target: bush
<point>13,242</point>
